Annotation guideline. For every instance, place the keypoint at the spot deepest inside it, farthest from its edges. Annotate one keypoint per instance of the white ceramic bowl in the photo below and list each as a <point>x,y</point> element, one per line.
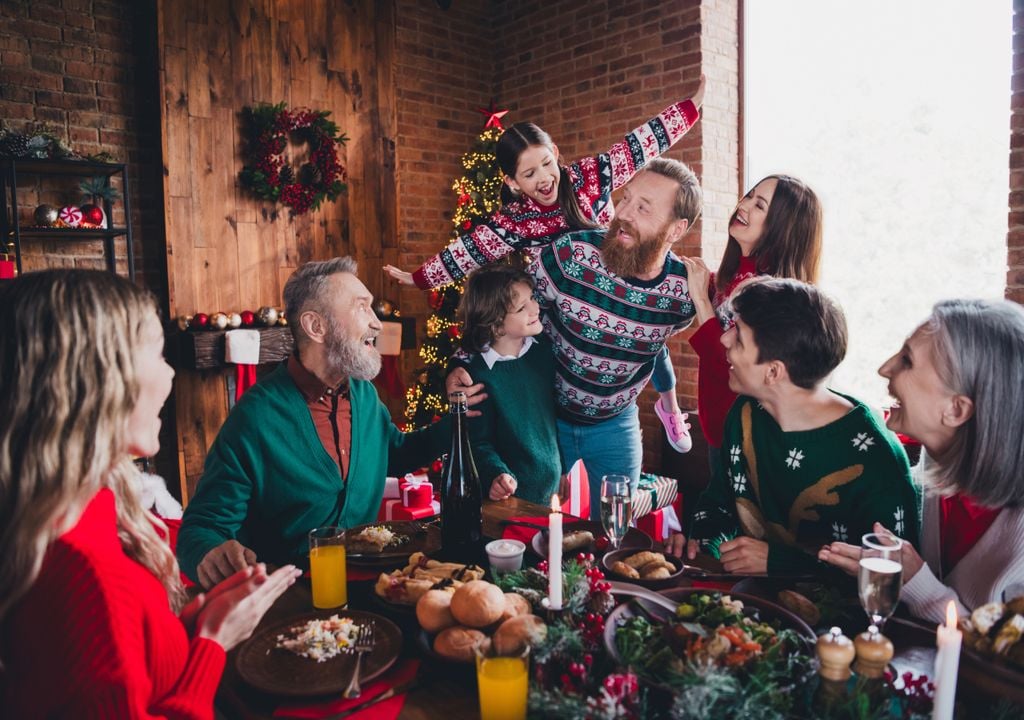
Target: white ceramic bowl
<point>505,555</point>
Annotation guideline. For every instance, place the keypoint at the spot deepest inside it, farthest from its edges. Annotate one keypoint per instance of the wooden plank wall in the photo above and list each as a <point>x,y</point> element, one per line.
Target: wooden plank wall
<point>226,250</point>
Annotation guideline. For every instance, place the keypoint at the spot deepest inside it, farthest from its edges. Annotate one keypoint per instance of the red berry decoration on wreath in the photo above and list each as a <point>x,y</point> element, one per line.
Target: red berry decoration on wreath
<point>268,175</point>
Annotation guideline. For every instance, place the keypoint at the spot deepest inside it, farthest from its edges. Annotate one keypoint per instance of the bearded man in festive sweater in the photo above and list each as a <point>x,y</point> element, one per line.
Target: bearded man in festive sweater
<point>610,301</point>
<point>310,445</point>
<point>805,465</point>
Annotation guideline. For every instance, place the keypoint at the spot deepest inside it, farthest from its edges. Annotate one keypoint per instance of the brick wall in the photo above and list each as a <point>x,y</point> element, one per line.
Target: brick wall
<point>444,71</point>
<point>87,69</point>
<point>1015,233</point>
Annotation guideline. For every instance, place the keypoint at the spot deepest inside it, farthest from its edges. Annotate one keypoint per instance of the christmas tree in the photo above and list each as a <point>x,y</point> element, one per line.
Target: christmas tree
<point>478,197</point>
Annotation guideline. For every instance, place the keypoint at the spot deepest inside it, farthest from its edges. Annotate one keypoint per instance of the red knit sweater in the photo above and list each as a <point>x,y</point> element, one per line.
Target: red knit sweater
<point>95,636</point>
<point>714,398</point>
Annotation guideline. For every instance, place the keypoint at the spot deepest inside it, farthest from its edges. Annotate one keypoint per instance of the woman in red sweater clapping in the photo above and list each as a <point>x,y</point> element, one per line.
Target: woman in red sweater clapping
<point>88,588</point>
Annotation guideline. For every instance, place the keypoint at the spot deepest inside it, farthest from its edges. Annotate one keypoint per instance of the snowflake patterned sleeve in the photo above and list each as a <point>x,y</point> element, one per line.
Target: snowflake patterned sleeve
<point>714,517</point>
<point>628,156</point>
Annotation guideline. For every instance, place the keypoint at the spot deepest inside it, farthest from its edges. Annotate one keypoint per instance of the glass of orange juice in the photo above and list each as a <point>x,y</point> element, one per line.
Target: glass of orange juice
<point>503,681</point>
<point>327,567</point>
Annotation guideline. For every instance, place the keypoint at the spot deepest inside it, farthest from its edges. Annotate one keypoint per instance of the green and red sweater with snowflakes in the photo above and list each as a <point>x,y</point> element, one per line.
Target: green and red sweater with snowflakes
<point>801,490</point>
<point>606,331</point>
<point>525,223</point>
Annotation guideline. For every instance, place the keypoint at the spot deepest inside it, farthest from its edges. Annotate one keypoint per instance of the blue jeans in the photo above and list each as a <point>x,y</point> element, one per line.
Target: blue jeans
<point>612,447</point>
<point>664,376</point>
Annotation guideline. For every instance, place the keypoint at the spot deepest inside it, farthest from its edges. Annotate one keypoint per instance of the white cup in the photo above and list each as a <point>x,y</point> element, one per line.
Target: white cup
<point>505,555</point>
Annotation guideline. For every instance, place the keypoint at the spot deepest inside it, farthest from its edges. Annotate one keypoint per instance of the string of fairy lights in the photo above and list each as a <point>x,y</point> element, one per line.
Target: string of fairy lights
<point>478,193</point>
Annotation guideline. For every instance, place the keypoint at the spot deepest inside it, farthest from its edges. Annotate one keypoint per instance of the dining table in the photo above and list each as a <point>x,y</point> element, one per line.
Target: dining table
<point>446,691</point>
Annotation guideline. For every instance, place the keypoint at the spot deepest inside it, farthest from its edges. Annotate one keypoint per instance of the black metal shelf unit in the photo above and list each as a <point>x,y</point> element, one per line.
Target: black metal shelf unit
<point>13,170</point>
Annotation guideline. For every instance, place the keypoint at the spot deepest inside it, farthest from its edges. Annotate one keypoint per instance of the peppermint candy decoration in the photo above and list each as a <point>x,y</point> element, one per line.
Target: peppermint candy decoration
<point>71,215</point>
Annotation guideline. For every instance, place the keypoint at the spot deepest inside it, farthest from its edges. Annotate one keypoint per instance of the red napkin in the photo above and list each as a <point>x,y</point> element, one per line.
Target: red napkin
<point>384,710</point>
<point>524,534</point>
<point>357,573</point>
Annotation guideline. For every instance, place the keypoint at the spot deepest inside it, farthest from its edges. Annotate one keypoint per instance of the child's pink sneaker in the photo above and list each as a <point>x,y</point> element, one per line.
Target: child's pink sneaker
<point>676,428</point>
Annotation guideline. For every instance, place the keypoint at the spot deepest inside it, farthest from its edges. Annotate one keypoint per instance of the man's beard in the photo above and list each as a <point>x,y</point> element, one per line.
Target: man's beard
<point>349,356</point>
<point>635,259</point>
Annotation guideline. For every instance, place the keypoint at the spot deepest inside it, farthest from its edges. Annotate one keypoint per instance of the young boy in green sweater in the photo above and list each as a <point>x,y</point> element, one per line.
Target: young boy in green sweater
<point>515,441</point>
<point>804,464</point>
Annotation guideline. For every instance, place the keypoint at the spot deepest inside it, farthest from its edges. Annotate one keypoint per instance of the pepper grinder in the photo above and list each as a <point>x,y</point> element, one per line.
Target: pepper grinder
<point>874,651</point>
<point>835,653</point>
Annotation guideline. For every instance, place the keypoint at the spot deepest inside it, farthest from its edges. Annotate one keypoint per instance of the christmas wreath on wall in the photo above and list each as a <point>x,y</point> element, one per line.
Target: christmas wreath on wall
<point>268,173</point>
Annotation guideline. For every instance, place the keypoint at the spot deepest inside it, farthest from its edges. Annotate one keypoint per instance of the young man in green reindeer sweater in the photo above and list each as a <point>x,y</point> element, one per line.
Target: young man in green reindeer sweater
<point>805,465</point>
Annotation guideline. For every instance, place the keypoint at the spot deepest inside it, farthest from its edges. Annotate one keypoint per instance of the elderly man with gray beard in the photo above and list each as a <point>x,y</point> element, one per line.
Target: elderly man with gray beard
<point>309,445</point>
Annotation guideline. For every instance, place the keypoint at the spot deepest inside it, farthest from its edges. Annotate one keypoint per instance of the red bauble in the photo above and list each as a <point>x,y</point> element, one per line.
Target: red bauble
<point>467,224</point>
<point>200,321</point>
<point>248,318</point>
<point>92,214</point>
<point>437,465</point>
<point>453,332</point>
<point>436,297</point>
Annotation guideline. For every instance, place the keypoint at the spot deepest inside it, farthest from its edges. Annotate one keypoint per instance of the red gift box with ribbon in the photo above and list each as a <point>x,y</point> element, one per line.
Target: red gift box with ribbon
<point>392,510</point>
<point>416,492</point>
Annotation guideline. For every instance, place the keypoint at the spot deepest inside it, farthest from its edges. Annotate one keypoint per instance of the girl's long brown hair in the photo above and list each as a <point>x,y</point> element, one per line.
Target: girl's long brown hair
<point>790,246</point>
<point>68,341</point>
<point>511,145</point>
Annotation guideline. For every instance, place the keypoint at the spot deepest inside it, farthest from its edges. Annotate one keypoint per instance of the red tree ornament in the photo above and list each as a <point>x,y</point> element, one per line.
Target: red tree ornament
<point>248,318</point>
<point>436,297</point>
<point>453,332</point>
<point>92,214</point>
<point>200,322</point>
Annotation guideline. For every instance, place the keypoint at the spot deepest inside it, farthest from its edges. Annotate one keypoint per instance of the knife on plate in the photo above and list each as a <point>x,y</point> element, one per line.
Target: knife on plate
<point>386,695</point>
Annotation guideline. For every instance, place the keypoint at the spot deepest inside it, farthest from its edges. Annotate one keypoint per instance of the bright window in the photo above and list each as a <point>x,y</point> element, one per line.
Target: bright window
<point>898,115</point>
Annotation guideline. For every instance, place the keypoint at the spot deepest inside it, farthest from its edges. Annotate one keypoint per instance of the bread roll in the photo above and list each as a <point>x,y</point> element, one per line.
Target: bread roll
<point>433,611</point>
<point>621,568</point>
<point>659,573</point>
<point>478,604</point>
<point>458,643</point>
<point>577,540</point>
<point>515,604</point>
<point>648,568</point>
<point>642,558</point>
<point>514,635</point>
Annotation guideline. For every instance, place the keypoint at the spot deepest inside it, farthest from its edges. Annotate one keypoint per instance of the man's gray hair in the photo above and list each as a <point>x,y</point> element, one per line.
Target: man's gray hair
<point>306,287</point>
<point>978,349</point>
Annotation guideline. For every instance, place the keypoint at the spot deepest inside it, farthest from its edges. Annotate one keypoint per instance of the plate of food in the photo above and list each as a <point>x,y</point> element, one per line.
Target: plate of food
<point>403,587</point>
<point>589,536</point>
<point>384,543</point>
<point>994,649</point>
<point>643,567</point>
<point>695,637</point>
<point>311,654</point>
<point>820,603</point>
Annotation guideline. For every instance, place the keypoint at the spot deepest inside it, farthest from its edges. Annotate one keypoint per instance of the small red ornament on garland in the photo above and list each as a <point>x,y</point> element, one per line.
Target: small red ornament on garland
<point>437,465</point>
<point>248,318</point>
<point>436,298</point>
<point>454,332</point>
<point>200,321</point>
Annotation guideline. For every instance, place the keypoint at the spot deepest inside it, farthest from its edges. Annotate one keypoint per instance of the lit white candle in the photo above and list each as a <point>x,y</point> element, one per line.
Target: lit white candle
<point>947,665</point>
<point>555,555</point>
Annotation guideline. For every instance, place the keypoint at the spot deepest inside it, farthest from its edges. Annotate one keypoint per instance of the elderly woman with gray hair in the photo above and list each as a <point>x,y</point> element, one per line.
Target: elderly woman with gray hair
<point>958,382</point>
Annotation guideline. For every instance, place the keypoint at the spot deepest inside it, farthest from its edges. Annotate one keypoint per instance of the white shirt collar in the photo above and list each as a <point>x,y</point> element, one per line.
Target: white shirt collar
<point>491,356</point>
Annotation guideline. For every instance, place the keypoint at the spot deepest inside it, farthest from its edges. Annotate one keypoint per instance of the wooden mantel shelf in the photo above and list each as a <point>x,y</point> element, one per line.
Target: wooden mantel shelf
<point>204,349</point>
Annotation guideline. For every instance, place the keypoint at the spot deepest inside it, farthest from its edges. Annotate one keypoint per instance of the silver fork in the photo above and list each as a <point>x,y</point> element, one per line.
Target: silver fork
<point>363,645</point>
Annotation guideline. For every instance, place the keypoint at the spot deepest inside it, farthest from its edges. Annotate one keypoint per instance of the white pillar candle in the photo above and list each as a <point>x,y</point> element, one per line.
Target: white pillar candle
<point>947,665</point>
<point>555,555</point>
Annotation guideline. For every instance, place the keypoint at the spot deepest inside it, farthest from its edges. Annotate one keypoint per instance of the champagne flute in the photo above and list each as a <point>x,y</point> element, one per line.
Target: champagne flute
<point>616,507</point>
<point>880,577</point>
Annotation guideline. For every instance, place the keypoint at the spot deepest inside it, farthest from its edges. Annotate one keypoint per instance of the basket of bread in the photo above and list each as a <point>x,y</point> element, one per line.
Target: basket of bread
<point>456,620</point>
<point>647,568</point>
<point>994,649</point>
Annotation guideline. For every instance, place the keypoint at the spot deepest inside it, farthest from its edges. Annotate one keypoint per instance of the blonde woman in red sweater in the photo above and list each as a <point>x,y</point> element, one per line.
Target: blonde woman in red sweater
<point>88,587</point>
